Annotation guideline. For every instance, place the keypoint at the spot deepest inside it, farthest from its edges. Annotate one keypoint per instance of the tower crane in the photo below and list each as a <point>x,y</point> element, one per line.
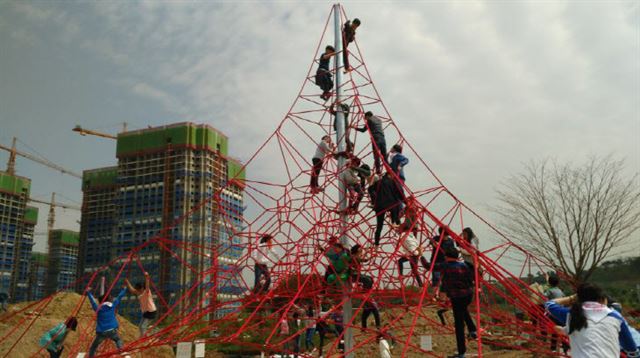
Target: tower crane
<point>13,152</point>
<point>84,131</point>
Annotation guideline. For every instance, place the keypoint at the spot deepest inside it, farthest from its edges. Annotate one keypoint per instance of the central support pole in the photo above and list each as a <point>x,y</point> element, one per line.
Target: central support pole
<point>342,163</point>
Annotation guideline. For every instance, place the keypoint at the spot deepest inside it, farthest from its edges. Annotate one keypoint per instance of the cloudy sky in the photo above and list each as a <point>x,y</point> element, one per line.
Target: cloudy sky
<point>477,87</point>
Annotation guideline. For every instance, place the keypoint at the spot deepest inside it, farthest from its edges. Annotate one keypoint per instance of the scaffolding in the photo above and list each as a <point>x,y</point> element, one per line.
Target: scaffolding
<point>164,173</point>
<point>63,261</point>
<point>37,276</point>
<point>99,189</point>
<point>17,222</point>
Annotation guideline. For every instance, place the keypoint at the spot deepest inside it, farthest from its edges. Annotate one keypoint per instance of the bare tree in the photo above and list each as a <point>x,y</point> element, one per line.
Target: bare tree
<point>572,216</point>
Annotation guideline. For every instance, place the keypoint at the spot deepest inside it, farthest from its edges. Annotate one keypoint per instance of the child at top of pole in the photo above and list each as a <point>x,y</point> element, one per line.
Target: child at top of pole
<point>348,36</point>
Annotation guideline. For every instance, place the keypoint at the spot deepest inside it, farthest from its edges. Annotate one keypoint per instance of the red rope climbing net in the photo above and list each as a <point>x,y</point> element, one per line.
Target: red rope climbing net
<point>302,223</point>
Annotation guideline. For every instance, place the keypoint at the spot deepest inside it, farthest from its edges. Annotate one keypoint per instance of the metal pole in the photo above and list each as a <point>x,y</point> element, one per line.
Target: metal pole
<point>340,140</point>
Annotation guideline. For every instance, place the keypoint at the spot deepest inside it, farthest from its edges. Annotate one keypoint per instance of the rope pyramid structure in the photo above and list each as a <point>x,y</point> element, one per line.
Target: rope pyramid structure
<point>307,227</point>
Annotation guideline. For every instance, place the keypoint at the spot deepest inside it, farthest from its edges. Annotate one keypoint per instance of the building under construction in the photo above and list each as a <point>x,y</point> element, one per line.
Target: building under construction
<point>97,227</point>
<point>17,221</point>
<point>37,276</point>
<point>63,261</point>
<point>168,175</point>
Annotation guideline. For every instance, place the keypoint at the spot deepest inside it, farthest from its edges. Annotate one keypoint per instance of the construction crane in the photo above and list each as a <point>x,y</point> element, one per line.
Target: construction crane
<point>57,204</point>
<point>13,152</point>
<point>83,131</point>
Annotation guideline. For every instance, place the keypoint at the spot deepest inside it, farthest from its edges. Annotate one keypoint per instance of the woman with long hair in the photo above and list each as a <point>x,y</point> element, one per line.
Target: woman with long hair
<point>594,329</point>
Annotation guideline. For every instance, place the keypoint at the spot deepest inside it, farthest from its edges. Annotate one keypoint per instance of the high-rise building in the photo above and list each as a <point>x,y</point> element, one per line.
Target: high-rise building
<point>17,221</point>
<point>37,276</point>
<point>99,189</point>
<point>168,175</point>
<point>63,261</point>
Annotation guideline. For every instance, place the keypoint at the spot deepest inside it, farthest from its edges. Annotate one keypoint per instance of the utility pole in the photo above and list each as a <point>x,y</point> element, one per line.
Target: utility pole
<point>347,308</point>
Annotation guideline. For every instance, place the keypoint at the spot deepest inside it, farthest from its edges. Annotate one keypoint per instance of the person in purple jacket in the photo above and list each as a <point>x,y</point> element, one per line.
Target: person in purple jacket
<point>106,321</point>
<point>594,329</point>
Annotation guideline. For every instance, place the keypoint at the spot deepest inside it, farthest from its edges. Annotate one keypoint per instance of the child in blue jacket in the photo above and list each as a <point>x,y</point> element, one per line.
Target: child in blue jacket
<point>106,321</point>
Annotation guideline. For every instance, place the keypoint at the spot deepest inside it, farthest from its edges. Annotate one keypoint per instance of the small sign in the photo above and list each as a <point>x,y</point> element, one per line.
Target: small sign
<point>183,350</point>
<point>199,349</point>
<point>426,343</point>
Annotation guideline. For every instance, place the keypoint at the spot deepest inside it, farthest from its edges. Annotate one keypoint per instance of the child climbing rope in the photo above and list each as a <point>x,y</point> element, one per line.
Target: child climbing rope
<point>345,111</point>
<point>348,36</point>
<point>412,253</point>
<point>106,321</point>
<point>386,196</point>
<point>147,306</point>
<point>325,148</point>
<point>472,240</point>
<point>54,338</point>
<point>378,141</point>
<point>357,258</point>
<point>324,79</point>
<point>397,161</point>
<point>263,256</point>
<point>354,178</point>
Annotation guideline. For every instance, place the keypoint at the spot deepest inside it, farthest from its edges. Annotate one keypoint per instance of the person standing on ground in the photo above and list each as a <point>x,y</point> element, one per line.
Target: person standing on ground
<point>378,141</point>
<point>145,297</point>
<point>594,329</point>
<point>324,79</point>
<point>4,299</point>
<point>385,350</point>
<point>106,321</point>
<point>325,148</point>
<point>551,293</point>
<point>348,36</point>
<point>54,338</point>
<point>458,285</point>
<point>264,256</point>
<point>310,331</point>
<point>370,307</point>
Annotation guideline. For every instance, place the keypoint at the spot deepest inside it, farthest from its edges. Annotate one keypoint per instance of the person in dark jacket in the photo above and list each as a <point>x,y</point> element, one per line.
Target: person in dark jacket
<point>438,254</point>
<point>324,79</point>
<point>378,142</point>
<point>458,285</point>
<point>348,36</point>
<point>106,321</point>
<point>344,108</point>
<point>386,196</point>
<point>397,161</point>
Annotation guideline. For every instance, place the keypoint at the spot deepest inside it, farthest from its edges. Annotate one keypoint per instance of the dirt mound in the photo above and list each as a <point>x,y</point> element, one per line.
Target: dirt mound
<point>43,319</point>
